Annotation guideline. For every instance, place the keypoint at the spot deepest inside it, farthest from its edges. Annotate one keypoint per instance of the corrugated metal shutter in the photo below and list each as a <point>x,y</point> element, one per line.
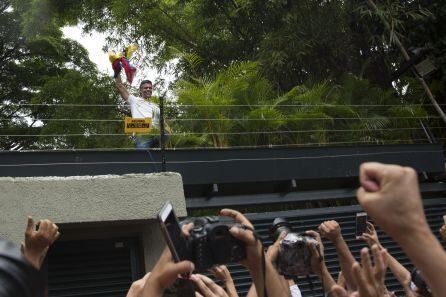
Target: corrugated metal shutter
<point>307,219</point>
<point>93,268</point>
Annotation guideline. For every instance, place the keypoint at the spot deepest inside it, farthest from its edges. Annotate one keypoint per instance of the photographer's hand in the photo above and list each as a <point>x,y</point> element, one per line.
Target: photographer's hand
<point>254,248</point>
<point>37,243</point>
<point>276,284</point>
<point>332,231</point>
<point>164,274</point>
<point>391,196</point>
<point>317,262</point>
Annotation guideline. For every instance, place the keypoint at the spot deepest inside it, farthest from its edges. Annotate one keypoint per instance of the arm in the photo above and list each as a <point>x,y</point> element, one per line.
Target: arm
<point>122,90</point>
<point>318,263</point>
<point>254,248</point>
<point>332,231</point>
<point>400,272</point>
<point>164,274</point>
<point>369,278</point>
<point>37,243</point>
<point>390,195</point>
<point>276,283</point>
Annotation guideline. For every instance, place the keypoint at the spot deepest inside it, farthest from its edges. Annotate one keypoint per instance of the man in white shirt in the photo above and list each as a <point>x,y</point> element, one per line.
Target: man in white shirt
<point>142,108</point>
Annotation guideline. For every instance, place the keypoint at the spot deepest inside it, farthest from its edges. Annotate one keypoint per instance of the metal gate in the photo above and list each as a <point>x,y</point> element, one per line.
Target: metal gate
<point>307,219</point>
<point>93,268</point>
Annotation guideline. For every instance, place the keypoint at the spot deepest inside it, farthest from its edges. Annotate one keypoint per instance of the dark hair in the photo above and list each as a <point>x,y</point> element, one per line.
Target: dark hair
<point>420,283</point>
<point>145,81</point>
<point>18,278</point>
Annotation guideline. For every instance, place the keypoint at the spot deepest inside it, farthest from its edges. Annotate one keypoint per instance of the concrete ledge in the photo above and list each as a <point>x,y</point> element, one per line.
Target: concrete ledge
<point>86,199</point>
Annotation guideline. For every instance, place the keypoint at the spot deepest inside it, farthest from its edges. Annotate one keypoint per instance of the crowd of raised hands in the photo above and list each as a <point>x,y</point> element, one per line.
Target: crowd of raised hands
<point>388,193</point>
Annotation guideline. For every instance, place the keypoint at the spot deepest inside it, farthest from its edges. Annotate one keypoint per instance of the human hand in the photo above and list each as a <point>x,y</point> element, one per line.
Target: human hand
<point>369,278</point>
<point>207,287</point>
<point>137,287</point>
<point>331,230</point>
<point>273,250</point>
<point>222,273</point>
<point>164,274</point>
<point>253,246</point>
<point>317,256</point>
<point>371,236</point>
<point>443,232</point>
<point>390,195</point>
<point>37,243</point>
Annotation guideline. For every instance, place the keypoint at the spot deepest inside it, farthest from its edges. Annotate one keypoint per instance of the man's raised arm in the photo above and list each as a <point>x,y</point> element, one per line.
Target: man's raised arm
<point>122,90</point>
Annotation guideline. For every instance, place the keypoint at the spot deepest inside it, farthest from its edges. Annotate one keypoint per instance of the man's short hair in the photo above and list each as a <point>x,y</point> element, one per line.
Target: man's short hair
<point>145,81</point>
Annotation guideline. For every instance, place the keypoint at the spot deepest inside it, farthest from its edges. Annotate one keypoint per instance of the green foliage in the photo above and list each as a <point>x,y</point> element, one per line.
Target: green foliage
<point>41,69</point>
<point>240,108</point>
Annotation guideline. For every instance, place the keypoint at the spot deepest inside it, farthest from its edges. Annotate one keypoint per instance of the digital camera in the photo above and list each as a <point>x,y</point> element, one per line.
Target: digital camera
<point>210,242</point>
<point>294,258</point>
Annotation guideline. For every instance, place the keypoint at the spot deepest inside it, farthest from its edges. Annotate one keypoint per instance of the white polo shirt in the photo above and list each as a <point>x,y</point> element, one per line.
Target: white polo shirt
<point>141,108</point>
<point>295,292</point>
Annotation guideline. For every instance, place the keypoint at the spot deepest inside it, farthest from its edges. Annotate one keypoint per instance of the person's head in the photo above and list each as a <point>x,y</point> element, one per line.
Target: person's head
<point>145,88</point>
<point>18,278</point>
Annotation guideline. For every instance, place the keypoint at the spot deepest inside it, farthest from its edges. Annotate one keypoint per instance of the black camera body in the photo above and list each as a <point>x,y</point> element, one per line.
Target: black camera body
<point>294,258</point>
<point>210,243</point>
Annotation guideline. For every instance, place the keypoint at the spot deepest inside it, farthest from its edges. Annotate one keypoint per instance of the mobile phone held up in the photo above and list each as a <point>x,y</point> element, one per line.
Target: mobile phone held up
<point>361,224</point>
<point>170,227</point>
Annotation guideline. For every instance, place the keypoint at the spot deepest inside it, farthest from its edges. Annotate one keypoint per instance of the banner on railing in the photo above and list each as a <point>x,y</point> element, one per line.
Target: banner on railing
<point>137,125</point>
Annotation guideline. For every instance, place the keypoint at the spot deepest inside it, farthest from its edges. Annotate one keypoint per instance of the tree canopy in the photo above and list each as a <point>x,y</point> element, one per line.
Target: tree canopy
<point>257,54</point>
<point>41,70</point>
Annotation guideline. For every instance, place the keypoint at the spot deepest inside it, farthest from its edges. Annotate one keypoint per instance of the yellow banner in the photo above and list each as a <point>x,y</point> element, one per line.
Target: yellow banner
<point>137,125</point>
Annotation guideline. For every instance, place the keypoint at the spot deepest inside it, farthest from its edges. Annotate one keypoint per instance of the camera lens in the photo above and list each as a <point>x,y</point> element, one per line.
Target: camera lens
<point>279,225</point>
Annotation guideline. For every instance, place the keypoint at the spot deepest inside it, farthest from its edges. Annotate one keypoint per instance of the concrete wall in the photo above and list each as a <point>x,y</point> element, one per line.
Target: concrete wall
<point>82,201</point>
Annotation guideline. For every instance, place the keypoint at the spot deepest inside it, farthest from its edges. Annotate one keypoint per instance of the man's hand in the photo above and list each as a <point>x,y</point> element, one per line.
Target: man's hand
<point>222,273</point>
<point>317,254</point>
<point>137,287</point>
<point>369,278</point>
<point>371,237</point>
<point>207,287</point>
<point>443,232</point>
<point>253,246</point>
<point>164,274</point>
<point>37,242</point>
<point>390,195</point>
<point>273,250</point>
<point>331,230</point>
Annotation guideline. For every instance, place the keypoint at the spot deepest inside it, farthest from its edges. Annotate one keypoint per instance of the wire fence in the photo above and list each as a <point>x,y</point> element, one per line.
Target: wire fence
<point>205,126</point>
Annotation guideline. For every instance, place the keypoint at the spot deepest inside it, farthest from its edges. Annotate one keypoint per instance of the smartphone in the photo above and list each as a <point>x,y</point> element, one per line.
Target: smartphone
<point>361,224</point>
<point>170,227</point>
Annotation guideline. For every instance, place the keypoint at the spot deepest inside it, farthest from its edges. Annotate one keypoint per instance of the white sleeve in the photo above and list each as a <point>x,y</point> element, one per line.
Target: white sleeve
<point>132,99</point>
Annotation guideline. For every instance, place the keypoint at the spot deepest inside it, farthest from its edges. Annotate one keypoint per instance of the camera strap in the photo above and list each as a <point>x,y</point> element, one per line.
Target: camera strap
<point>257,237</point>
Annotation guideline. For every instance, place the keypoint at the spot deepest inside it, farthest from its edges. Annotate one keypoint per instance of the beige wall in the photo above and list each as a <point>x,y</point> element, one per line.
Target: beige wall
<point>87,207</point>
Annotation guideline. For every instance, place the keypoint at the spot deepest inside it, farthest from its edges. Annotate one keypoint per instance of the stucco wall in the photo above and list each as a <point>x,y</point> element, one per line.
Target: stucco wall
<point>86,199</point>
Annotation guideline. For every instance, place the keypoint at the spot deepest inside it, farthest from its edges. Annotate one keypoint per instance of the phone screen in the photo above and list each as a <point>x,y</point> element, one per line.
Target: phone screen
<point>361,224</point>
<point>174,237</point>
